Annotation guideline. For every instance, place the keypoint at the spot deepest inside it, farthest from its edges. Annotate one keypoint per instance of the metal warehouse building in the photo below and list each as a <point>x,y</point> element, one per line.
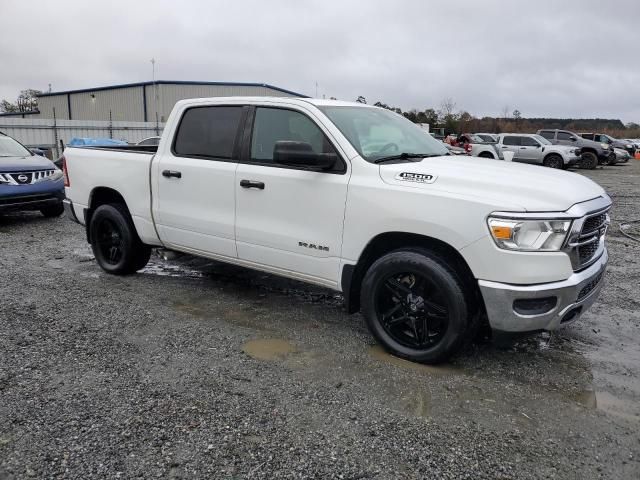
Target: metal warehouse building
<point>139,102</point>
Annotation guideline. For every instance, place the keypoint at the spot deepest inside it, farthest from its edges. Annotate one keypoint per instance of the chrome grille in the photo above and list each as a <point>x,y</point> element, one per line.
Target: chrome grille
<point>24,178</point>
<point>586,242</point>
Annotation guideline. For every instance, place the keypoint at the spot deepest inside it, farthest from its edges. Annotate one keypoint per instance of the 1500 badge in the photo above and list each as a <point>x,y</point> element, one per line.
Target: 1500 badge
<point>416,177</point>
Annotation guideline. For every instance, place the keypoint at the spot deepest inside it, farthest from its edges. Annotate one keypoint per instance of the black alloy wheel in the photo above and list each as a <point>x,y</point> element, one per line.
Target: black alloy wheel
<point>109,241</point>
<point>412,310</point>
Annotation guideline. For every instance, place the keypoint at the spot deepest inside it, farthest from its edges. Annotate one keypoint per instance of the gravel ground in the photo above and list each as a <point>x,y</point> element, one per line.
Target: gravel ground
<point>193,369</point>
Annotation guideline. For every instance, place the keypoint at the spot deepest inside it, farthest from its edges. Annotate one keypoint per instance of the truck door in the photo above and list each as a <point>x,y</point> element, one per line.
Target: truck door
<point>290,218</point>
<point>511,143</point>
<point>194,181</point>
<point>530,150</point>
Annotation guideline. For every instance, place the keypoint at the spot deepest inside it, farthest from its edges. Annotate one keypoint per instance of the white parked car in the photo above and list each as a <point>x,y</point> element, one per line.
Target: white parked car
<point>530,148</point>
<point>357,199</point>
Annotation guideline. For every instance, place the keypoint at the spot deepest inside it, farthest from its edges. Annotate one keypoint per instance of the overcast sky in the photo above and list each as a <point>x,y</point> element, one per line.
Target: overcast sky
<point>547,58</point>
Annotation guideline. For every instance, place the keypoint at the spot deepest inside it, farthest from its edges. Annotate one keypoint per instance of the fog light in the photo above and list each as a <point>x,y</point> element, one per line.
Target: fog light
<point>534,306</point>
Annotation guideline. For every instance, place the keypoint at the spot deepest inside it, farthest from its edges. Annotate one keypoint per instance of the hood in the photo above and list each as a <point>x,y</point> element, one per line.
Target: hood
<point>25,164</point>
<point>508,185</point>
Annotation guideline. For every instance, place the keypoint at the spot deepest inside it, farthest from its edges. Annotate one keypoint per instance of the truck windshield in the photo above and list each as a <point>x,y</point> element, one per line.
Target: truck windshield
<point>377,133</point>
<point>10,148</point>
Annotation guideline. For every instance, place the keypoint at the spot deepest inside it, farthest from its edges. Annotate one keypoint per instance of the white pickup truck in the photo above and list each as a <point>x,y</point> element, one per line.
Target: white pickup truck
<point>357,199</point>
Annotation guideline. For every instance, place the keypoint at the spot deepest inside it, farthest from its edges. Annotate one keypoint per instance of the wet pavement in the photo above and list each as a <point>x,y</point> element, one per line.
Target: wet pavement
<point>193,368</point>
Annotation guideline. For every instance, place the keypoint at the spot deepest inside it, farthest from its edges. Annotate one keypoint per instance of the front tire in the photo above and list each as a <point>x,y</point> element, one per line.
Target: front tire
<point>114,241</point>
<point>415,306</point>
<point>53,210</point>
<point>554,161</point>
<point>589,161</point>
<point>612,160</point>
<point>486,155</point>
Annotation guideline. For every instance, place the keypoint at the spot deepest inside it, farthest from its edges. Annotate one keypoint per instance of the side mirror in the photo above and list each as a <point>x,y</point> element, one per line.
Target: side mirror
<point>573,139</point>
<point>538,145</point>
<point>301,154</point>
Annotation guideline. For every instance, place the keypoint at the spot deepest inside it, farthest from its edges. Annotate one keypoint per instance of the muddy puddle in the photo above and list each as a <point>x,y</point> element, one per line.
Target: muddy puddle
<point>608,403</point>
<point>269,349</point>
<point>170,270</point>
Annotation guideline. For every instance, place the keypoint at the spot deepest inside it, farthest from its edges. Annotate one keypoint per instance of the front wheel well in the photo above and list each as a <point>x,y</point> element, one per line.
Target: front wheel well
<point>102,196</point>
<point>352,275</point>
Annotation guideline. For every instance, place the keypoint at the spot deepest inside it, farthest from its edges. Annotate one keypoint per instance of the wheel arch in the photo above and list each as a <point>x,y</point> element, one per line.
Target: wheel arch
<point>101,196</point>
<point>383,243</point>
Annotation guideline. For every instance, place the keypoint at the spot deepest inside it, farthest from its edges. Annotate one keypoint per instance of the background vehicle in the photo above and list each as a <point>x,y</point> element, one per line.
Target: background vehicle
<point>487,137</point>
<point>622,156</point>
<point>455,150</point>
<point>28,181</point>
<point>592,153</point>
<point>531,148</point>
<point>317,190</point>
<point>613,142</point>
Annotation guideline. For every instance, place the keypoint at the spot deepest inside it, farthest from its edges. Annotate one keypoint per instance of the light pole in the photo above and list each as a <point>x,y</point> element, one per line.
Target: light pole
<point>155,92</point>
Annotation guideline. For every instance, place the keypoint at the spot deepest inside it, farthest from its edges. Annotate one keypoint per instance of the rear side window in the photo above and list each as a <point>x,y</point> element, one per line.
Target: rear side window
<point>275,124</point>
<point>208,132</point>
<point>529,142</point>
<point>547,134</point>
<point>511,141</point>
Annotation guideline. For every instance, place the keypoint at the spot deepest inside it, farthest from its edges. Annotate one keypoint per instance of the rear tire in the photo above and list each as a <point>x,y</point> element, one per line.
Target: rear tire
<point>415,306</point>
<point>554,161</point>
<point>115,242</point>
<point>53,210</point>
<point>589,161</point>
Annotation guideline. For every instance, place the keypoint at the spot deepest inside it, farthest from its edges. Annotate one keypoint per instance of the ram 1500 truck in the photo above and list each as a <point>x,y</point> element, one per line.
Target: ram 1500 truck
<point>358,199</point>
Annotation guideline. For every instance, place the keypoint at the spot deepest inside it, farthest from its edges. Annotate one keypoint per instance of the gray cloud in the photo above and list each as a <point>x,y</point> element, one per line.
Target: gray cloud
<point>546,58</point>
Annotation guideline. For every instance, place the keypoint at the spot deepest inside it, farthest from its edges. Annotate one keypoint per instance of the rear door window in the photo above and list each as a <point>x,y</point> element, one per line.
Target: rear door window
<point>208,132</point>
<point>511,141</point>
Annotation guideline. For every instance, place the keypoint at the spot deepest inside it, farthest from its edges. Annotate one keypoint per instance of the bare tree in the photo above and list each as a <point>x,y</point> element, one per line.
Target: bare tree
<point>27,101</point>
<point>505,112</point>
<point>361,99</point>
<point>447,107</point>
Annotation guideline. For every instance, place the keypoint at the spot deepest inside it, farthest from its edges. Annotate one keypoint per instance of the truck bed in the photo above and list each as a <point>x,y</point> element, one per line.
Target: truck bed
<point>123,169</point>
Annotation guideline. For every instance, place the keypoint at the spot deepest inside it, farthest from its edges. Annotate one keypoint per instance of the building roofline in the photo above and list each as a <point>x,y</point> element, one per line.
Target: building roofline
<point>172,82</point>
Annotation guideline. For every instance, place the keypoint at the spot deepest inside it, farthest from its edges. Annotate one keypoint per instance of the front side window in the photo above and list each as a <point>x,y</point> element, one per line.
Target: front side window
<point>547,134</point>
<point>528,142</point>
<point>376,133</point>
<point>511,141</point>
<point>564,136</point>
<point>272,125</point>
<point>10,148</point>
<point>208,132</point>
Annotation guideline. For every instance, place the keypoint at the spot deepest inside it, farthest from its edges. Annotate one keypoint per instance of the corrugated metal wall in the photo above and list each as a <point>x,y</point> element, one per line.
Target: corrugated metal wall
<point>47,104</point>
<point>43,133</point>
<point>127,104</point>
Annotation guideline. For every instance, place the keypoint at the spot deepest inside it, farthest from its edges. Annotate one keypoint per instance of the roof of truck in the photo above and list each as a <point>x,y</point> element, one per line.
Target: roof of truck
<point>319,102</point>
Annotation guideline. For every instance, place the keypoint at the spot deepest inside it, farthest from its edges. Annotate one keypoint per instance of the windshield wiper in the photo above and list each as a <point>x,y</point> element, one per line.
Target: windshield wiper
<point>404,156</point>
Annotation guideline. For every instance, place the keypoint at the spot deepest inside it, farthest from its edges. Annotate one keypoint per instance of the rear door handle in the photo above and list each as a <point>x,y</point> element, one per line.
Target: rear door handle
<point>252,184</point>
<point>171,173</point>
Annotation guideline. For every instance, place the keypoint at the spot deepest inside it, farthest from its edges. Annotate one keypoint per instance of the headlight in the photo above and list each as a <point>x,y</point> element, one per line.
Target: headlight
<point>529,235</point>
<point>605,146</point>
<point>56,175</point>
<point>628,146</point>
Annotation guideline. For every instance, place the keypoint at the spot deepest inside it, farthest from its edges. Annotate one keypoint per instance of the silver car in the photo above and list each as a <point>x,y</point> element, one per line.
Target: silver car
<point>532,148</point>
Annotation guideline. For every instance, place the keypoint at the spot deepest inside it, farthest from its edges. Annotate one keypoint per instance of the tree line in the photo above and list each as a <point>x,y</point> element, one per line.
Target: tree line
<point>461,121</point>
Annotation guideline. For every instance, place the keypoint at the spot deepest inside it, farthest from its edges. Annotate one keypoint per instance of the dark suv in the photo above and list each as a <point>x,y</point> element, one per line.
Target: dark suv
<point>593,153</point>
<point>614,142</point>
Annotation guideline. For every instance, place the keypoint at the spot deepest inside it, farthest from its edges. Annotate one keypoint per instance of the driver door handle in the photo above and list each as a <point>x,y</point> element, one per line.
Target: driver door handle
<point>252,184</point>
<point>171,173</point>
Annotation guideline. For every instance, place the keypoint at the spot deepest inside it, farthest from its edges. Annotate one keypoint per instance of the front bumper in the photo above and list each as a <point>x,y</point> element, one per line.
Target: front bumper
<point>573,297</point>
<point>571,160</point>
<point>34,201</point>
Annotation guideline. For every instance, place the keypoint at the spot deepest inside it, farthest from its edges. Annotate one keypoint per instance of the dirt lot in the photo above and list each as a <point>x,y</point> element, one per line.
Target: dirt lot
<point>193,369</point>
